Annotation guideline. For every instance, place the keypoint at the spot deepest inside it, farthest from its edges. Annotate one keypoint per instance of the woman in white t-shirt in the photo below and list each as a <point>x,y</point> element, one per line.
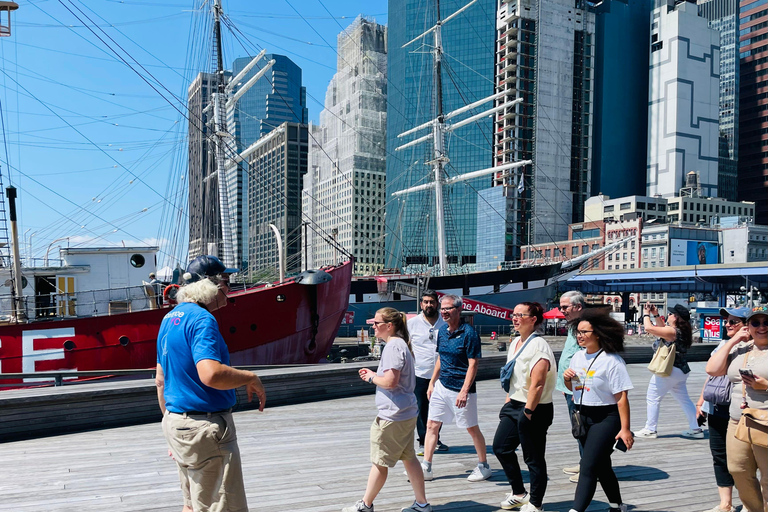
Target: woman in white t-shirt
<point>392,430</point>
<point>599,380</point>
<point>528,410</point>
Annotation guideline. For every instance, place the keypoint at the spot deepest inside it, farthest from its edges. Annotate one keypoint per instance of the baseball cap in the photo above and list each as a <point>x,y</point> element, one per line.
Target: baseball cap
<point>206,266</point>
<point>680,311</point>
<point>757,310</point>
<point>738,312</point>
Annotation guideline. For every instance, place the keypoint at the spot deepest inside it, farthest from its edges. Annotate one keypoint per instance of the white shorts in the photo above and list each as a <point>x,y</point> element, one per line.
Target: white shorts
<point>442,407</point>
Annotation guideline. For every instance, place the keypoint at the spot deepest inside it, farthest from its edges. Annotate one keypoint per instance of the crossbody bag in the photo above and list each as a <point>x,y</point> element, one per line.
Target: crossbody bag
<point>578,428</point>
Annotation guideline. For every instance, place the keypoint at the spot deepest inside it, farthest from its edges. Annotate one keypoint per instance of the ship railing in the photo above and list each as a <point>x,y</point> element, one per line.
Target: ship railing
<point>112,301</point>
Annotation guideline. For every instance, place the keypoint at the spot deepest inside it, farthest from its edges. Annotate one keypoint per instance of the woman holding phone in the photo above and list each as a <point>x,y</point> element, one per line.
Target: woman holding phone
<point>599,380</point>
<point>746,364</point>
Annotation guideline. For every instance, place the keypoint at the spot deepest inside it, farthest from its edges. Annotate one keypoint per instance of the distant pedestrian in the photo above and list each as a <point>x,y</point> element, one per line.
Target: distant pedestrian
<point>600,381</point>
<point>678,332</point>
<point>452,392</point>
<point>717,415</point>
<point>392,430</point>
<point>528,410</point>
<point>571,306</point>
<point>157,286</point>
<point>196,391</point>
<point>423,330</point>
<point>746,364</point>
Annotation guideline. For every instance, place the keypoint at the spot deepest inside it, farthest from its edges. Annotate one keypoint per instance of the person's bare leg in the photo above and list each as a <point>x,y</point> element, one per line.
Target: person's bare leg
<point>376,479</point>
<point>430,443</point>
<point>187,509</point>
<point>726,497</point>
<point>479,441</point>
<point>415,475</point>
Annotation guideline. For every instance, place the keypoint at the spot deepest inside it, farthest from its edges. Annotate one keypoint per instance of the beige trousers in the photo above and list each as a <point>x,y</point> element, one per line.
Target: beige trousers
<point>208,459</point>
<point>744,460</point>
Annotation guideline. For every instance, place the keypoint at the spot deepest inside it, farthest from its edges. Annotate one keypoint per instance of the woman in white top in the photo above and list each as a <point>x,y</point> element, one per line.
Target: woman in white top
<point>599,380</point>
<point>528,410</point>
<point>392,430</point>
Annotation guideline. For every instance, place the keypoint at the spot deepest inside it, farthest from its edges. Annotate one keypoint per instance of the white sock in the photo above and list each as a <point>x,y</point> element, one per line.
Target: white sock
<point>422,504</point>
<point>429,465</point>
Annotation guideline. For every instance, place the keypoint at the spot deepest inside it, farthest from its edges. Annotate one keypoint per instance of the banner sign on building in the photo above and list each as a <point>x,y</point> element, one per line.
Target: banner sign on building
<point>483,308</point>
<point>693,252</point>
<point>711,328</point>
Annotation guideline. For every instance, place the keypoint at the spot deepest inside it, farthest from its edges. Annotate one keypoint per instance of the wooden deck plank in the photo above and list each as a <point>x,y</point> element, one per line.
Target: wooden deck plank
<point>313,457</point>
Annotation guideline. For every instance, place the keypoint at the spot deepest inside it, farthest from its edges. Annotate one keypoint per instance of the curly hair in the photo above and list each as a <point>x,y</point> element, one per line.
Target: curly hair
<point>609,332</point>
<point>201,292</point>
<point>400,321</point>
<point>535,309</point>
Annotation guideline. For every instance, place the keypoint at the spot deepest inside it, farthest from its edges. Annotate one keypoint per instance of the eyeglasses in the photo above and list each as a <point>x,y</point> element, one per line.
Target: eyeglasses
<point>432,334</point>
<point>376,324</point>
<point>582,333</point>
<point>758,323</point>
<point>563,308</point>
<point>519,315</point>
<point>734,322</point>
<point>446,310</point>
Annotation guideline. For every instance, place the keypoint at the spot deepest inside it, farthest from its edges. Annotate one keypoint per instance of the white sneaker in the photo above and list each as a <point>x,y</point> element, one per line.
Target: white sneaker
<point>360,506</point>
<point>428,476</point>
<point>417,508</point>
<point>420,451</point>
<point>479,474</point>
<point>529,507</point>
<point>650,434</point>
<point>693,434</point>
<point>512,501</point>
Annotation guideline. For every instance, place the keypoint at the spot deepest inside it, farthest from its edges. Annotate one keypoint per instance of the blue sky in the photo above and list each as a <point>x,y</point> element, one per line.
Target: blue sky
<point>93,148</point>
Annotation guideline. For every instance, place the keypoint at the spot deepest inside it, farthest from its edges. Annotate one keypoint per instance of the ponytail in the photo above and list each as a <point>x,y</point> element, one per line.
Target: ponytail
<point>400,321</point>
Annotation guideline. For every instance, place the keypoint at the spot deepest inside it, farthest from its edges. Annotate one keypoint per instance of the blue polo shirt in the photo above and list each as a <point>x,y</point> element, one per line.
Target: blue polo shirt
<point>189,334</point>
<point>455,350</point>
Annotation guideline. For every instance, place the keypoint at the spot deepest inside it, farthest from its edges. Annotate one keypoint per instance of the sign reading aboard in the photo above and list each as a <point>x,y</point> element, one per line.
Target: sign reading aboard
<point>483,308</point>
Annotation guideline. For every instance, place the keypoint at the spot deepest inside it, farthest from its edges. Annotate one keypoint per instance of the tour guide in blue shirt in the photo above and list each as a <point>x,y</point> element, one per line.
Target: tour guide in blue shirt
<point>196,390</point>
<point>451,392</point>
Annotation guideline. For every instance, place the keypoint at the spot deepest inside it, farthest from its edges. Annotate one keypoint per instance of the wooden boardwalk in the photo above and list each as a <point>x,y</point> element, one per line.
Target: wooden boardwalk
<point>313,457</point>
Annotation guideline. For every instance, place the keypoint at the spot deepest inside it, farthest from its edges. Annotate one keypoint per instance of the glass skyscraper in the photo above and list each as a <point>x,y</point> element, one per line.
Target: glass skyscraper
<point>467,76</point>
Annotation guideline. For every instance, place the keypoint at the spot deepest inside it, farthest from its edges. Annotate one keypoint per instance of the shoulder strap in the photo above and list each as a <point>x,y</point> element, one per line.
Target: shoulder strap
<point>581,398</point>
<point>517,354</point>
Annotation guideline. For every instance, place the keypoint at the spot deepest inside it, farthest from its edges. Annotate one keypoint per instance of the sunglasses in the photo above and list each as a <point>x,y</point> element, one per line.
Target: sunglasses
<point>376,324</point>
<point>432,334</point>
<point>734,322</point>
<point>583,333</point>
<point>564,308</point>
<point>758,323</point>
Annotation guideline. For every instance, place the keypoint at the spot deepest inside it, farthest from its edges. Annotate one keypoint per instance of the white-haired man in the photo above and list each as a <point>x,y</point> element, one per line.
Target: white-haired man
<point>571,304</point>
<point>196,390</point>
<point>451,392</point>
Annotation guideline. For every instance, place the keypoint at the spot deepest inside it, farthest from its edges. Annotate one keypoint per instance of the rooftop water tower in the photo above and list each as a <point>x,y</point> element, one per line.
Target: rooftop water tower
<point>5,17</point>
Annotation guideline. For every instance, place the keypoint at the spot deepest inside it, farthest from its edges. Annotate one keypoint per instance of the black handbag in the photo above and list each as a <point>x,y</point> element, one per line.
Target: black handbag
<point>578,428</point>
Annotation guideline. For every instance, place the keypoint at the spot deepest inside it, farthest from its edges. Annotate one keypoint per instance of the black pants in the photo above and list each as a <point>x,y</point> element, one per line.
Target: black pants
<point>603,423</point>
<point>718,426</point>
<point>514,430</point>
<point>423,403</point>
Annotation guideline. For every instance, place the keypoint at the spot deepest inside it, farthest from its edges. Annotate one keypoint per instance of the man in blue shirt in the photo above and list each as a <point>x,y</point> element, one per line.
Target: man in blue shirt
<point>571,304</point>
<point>196,391</point>
<point>451,392</point>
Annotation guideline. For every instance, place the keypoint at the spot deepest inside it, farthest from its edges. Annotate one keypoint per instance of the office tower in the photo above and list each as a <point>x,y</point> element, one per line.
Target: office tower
<point>344,194</point>
<point>753,141</point>
<point>204,218</point>
<point>545,55</point>
<point>467,76</point>
<point>723,16</point>
<point>277,163</point>
<point>620,128</point>
<point>275,98</point>
<point>684,86</point>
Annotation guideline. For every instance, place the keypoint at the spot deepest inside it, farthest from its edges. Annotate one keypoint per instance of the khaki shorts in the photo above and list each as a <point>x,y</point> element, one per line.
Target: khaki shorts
<point>392,441</point>
<point>208,460</point>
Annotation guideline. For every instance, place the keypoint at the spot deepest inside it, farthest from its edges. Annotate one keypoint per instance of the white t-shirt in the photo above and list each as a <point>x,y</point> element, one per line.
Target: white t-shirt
<point>520,383</point>
<point>607,376</point>
<point>423,342</point>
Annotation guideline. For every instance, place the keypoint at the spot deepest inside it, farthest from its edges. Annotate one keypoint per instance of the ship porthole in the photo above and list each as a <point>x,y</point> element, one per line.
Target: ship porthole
<point>69,345</point>
<point>280,298</point>
<point>137,260</point>
<point>232,329</point>
<point>253,327</point>
<point>311,347</point>
<point>124,340</point>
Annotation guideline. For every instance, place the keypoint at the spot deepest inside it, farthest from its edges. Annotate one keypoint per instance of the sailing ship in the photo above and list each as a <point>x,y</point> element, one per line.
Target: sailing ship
<point>291,321</point>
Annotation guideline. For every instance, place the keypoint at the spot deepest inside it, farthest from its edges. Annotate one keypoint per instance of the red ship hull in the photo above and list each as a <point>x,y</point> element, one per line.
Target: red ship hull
<point>287,323</point>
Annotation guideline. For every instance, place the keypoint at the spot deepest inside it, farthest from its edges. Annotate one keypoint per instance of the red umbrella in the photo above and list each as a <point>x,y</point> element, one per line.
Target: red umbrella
<point>553,313</point>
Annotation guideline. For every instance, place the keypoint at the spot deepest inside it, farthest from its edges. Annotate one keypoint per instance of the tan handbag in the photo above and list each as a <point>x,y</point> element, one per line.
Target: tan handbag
<point>663,360</point>
<point>753,427</point>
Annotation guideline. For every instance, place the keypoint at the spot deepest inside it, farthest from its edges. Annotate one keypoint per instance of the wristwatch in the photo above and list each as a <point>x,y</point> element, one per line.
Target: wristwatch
<point>370,380</point>
<point>528,411</point>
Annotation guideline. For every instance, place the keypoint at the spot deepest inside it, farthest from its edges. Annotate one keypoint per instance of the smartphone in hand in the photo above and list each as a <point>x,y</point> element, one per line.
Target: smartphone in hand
<point>701,420</point>
<point>746,372</point>
<point>619,444</point>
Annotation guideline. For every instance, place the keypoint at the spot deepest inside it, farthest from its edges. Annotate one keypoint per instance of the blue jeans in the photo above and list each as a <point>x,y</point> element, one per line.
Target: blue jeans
<point>569,401</point>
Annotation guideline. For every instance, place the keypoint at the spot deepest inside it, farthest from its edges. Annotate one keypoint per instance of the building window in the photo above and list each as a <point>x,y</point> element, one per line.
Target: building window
<point>625,206</point>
